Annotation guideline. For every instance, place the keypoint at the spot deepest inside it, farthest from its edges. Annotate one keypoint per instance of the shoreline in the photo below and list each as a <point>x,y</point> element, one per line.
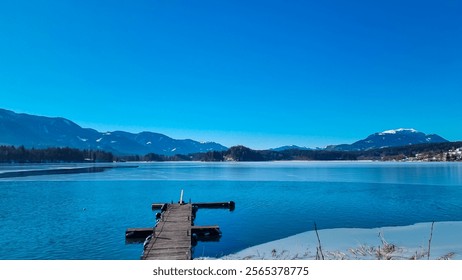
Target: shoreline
<point>392,243</point>
<point>58,171</point>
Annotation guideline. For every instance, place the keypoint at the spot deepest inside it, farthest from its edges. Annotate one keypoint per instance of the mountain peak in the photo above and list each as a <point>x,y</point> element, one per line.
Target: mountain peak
<point>390,138</point>
<point>399,130</point>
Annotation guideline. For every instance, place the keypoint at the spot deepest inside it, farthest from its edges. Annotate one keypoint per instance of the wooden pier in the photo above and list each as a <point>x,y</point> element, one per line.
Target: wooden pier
<point>171,239</point>
<point>174,234</point>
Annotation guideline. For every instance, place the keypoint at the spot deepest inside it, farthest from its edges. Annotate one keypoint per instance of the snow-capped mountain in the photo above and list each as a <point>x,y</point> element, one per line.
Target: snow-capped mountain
<point>390,138</point>
<point>42,132</point>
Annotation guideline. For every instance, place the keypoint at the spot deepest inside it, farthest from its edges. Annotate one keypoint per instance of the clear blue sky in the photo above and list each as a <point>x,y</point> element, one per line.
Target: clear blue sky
<point>258,73</point>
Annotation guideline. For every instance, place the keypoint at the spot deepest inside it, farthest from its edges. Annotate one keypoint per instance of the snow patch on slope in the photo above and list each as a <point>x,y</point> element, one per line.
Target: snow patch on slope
<point>394,131</point>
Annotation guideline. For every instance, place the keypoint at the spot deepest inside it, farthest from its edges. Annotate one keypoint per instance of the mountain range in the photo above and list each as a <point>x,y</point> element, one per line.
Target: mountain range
<point>390,138</point>
<point>42,132</point>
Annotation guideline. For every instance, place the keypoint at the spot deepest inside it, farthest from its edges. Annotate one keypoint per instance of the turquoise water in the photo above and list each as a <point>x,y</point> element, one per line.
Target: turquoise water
<point>84,216</point>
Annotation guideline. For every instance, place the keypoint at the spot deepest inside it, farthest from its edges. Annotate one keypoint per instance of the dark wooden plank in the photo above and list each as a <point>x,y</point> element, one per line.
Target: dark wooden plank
<point>157,206</point>
<point>138,232</point>
<point>227,204</point>
<point>204,227</point>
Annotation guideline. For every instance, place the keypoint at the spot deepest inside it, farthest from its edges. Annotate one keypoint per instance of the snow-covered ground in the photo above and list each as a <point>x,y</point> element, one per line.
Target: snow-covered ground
<point>406,242</point>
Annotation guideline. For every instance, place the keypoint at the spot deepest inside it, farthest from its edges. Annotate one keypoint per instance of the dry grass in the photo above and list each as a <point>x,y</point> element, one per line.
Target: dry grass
<point>319,254</point>
<point>448,256</point>
<point>384,251</point>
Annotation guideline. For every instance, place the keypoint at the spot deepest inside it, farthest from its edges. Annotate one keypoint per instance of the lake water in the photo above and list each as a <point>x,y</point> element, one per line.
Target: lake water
<point>84,216</point>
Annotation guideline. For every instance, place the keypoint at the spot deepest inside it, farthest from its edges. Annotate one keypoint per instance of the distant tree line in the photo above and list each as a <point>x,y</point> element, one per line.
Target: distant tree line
<point>12,154</point>
<point>241,153</point>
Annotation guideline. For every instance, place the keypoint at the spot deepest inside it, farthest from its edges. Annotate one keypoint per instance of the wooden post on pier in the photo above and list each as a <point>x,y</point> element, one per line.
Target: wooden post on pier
<point>181,198</point>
